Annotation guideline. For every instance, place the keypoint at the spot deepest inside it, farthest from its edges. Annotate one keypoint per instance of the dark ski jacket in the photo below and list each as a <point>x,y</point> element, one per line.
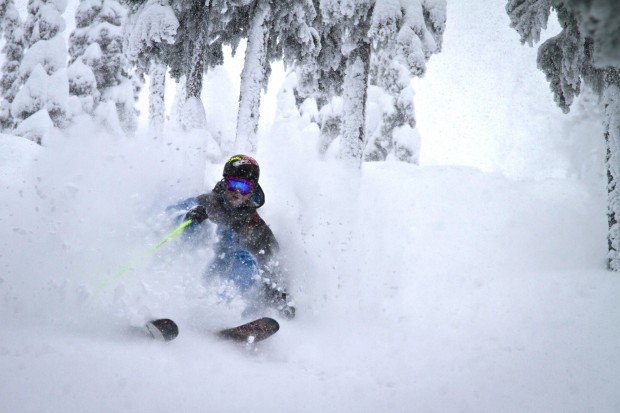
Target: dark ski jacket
<point>240,226</point>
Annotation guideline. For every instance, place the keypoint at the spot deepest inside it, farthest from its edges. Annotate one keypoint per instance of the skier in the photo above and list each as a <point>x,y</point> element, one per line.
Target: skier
<point>245,249</point>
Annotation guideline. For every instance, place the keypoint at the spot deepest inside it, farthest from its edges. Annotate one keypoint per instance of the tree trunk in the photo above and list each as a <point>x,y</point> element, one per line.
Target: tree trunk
<point>196,64</point>
<point>253,78</point>
<point>157,108</point>
<point>611,103</point>
<point>193,84</point>
<point>355,91</point>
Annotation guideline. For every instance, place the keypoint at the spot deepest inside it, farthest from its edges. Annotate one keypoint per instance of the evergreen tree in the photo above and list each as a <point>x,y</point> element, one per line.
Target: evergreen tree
<point>203,26</point>
<point>321,74</point>
<point>186,57</point>
<point>44,92</point>
<point>587,50</point>
<point>198,42</point>
<point>401,35</point>
<point>277,30</point>
<point>44,20</point>
<point>354,19</point>
<point>254,74</point>
<point>392,53</point>
<point>404,34</point>
<point>13,51</point>
<point>274,30</point>
<point>97,43</point>
<point>83,87</point>
<point>151,26</point>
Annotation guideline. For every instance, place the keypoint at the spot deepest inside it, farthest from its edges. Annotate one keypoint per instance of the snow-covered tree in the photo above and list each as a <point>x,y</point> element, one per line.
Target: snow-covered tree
<point>83,86</point>
<point>96,44</point>
<point>277,30</point>
<point>44,20</point>
<point>354,19</point>
<point>151,26</point>
<point>274,30</point>
<point>404,34</point>
<point>202,29</point>
<point>197,46</point>
<point>13,52</point>
<point>254,74</point>
<point>321,74</point>
<point>401,35</point>
<point>587,51</point>
<point>42,72</point>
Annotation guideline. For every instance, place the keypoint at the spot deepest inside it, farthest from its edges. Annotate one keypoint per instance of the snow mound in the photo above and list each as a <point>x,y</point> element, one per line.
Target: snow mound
<point>16,157</point>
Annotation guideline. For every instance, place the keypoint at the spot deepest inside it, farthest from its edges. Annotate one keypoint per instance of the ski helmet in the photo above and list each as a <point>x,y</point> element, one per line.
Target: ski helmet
<point>242,166</point>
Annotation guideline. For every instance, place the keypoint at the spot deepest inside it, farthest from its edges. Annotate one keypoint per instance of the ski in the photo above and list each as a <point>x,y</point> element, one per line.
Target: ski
<point>163,329</point>
<point>252,332</point>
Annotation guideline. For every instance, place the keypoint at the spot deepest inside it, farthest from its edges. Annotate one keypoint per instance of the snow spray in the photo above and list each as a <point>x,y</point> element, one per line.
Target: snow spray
<point>121,272</point>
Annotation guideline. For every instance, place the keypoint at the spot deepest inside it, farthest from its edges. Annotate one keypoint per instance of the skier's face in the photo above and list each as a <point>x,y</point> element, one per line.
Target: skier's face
<point>236,198</point>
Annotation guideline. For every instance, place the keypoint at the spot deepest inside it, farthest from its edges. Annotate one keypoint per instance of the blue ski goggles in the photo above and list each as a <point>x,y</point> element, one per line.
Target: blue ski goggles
<point>244,186</point>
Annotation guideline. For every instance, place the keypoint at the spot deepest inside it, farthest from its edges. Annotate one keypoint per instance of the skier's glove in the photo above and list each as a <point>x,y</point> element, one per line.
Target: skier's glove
<point>285,307</point>
<point>197,214</point>
<point>280,301</point>
<point>287,311</point>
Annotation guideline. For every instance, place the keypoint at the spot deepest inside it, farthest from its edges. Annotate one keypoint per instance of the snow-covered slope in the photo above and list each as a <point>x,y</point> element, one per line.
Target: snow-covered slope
<point>434,288</point>
<point>418,289</point>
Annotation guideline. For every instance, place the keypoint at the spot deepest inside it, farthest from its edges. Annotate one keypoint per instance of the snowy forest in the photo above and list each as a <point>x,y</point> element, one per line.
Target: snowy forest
<point>441,177</point>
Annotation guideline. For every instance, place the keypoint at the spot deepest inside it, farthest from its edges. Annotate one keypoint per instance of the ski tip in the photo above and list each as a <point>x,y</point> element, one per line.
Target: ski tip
<point>252,332</point>
<point>267,326</point>
<point>272,325</point>
<point>163,329</point>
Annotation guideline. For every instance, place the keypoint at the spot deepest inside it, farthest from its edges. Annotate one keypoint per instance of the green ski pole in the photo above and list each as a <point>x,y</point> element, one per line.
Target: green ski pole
<point>122,271</point>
